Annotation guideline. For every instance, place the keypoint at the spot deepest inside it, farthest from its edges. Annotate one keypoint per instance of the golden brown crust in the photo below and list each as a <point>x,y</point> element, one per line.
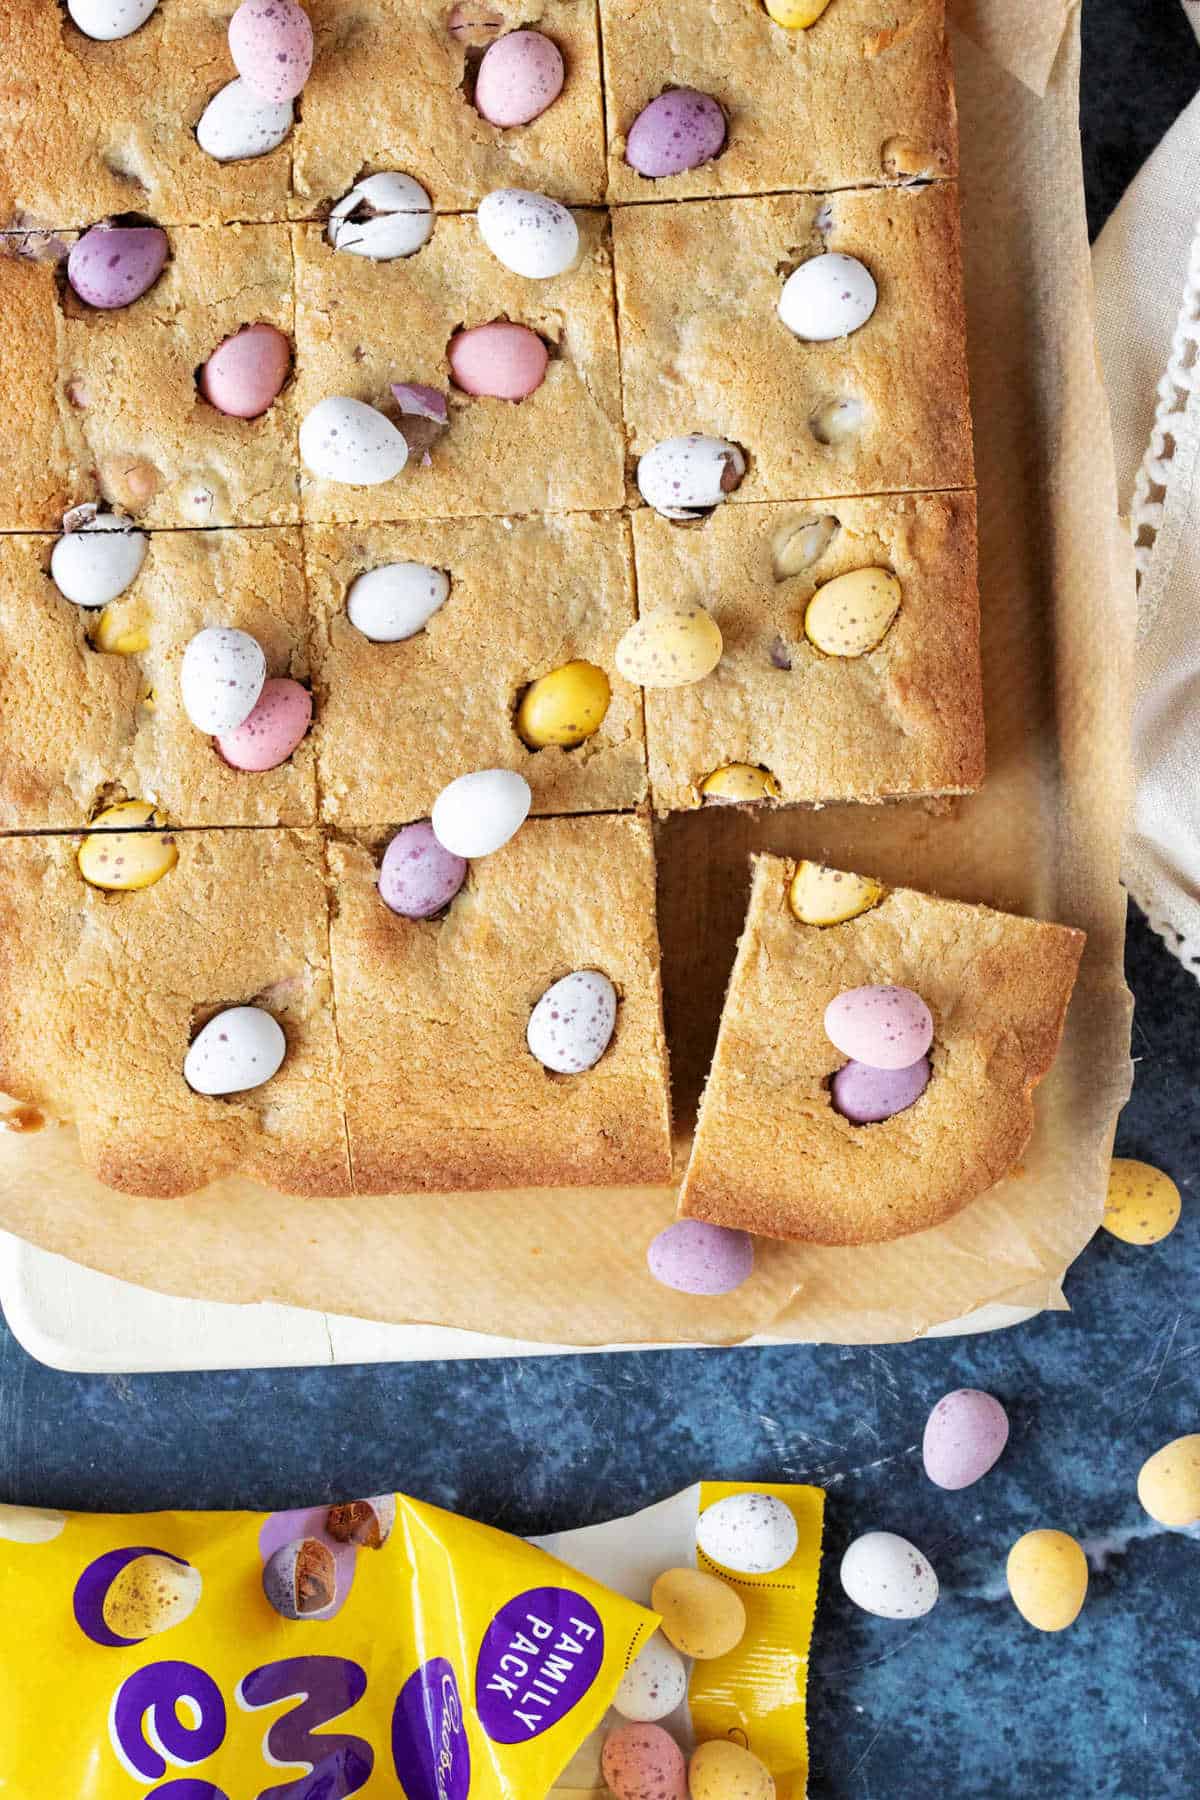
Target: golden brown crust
<point>42,474</point>
<point>703,348</point>
<point>399,721</point>
<point>772,1156</point>
<point>75,730</point>
<point>442,1092</point>
<point>102,994</point>
<point>387,92</point>
<point>88,129</point>
<point>362,325</point>
<point>848,101</point>
<point>905,719</point>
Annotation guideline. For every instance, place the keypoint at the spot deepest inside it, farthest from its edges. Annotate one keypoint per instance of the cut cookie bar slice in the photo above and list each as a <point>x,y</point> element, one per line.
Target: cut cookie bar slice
<point>392,87</point>
<point>104,993</point>
<point>891,706</point>
<point>772,1153</point>
<point>363,325</point>
<point>523,599</point>
<point>442,1091</point>
<point>91,128</point>
<point>854,98</point>
<point>46,468</point>
<point>128,392</point>
<point>880,409</point>
<point>90,706</point>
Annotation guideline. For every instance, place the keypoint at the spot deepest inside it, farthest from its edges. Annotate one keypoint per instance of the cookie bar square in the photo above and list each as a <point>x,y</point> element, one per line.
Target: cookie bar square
<point>81,727</point>
<point>703,348</point>
<point>902,719</point>
<point>362,325</point>
<point>45,473</point>
<point>127,385</point>
<point>392,88</point>
<point>865,94</point>
<point>103,992</point>
<point>771,1153</point>
<point>397,721</point>
<point>89,129</point>
<point>442,1092</point>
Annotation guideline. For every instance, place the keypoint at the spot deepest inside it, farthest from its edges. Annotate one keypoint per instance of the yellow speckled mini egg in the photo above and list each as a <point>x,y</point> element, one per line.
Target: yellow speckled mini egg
<point>123,860</point>
<point>851,614</point>
<point>736,784</point>
<point>701,1615</point>
<point>564,707</point>
<point>1143,1204</point>
<point>123,628</point>
<point>796,15</point>
<point>1169,1482</point>
<point>670,648</point>
<point>821,896</point>
<point>721,1770</point>
<point>1047,1578</point>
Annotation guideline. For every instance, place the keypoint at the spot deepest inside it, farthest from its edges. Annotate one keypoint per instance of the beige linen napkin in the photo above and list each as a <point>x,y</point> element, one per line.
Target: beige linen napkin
<point>1147,273</point>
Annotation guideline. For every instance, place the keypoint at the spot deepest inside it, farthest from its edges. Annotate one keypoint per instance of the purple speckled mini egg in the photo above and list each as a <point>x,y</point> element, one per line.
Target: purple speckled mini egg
<point>113,265</point>
<point>885,1027</point>
<point>965,1435</point>
<point>680,130</point>
<point>271,42</point>
<point>419,876</point>
<point>867,1096</point>
<point>572,1024</point>
<point>695,1258</point>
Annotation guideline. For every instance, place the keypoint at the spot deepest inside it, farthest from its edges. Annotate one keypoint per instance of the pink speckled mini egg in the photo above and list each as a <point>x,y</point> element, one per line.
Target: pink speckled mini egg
<point>643,1762</point>
<point>965,1435</point>
<point>499,361</point>
<point>271,42</point>
<point>277,723</point>
<point>245,373</point>
<point>694,1257</point>
<point>520,76</point>
<point>884,1027</point>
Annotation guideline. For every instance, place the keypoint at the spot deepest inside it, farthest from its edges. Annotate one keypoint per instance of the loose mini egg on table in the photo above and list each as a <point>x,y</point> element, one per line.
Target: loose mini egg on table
<point>1048,1578</point>
<point>694,1257</point>
<point>886,1575</point>
<point>965,1436</point>
<point>1168,1484</point>
<point>1143,1204</point>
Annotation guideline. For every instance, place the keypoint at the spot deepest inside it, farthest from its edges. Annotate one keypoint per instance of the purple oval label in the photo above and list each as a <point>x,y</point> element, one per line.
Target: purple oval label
<point>540,1655</point>
<point>429,1740</point>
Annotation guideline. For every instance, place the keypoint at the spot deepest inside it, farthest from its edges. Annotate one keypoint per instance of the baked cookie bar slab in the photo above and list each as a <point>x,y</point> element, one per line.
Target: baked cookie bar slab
<point>363,325</point>
<point>442,1092</point>
<point>392,86</point>
<point>772,1154</point>
<point>703,348</point>
<point>82,726</point>
<point>902,719</point>
<point>104,992</point>
<point>89,129</point>
<point>397,721</point>
<point>863,95</point>
<point>127,387</point>
<point>46,468</point>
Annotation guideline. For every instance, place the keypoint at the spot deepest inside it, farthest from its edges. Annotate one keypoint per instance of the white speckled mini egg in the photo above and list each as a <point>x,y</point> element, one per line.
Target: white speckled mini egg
<point>529,233</point>
<point>383,217</point>
<point>347,440</point>
<point>96,564</point>
<point>236,124</point>
<point>396,600</point>
<point>479,812</point>
<point>221,678</point>
<point>572,1024</point>
<point>107,20</point>
<point>237,1050</point>
<point>654,1684</point>
<point>828,297</point>
<point>888,1576</point>
<point>683,477</point>
<point>752,1534</point>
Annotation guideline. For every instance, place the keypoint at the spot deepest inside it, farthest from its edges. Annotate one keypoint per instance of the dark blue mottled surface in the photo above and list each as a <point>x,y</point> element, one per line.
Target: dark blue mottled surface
<point>968,1702</point>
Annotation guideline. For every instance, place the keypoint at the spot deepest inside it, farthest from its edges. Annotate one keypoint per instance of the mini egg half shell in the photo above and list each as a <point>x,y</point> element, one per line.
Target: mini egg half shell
<point>221,677</point>
<point>300,1579</point>
<point>346,440</point>
<point>886,1575</point>
<point>654,1684</point>
<point>239,1049</point>
<point>237,124</point>
<point>396,600</point>
<point>572,1024</point>
<point>92,566</point>
<point>828,297</point>
<point>383,217</point>
<point>529,233</point>
<point>685,477</point>
<point>643,1762</point>
<point>752,1534</point>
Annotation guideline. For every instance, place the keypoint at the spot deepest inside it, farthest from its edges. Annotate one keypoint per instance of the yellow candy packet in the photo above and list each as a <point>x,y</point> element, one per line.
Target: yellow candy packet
<point>380,1648</point>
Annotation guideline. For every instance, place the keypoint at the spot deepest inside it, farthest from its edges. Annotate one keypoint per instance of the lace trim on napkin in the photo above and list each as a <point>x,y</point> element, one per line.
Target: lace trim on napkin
<point>1180,380</point>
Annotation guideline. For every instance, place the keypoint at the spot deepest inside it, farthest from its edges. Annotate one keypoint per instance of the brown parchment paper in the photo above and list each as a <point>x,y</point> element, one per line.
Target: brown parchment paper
<point>1043,837</point>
